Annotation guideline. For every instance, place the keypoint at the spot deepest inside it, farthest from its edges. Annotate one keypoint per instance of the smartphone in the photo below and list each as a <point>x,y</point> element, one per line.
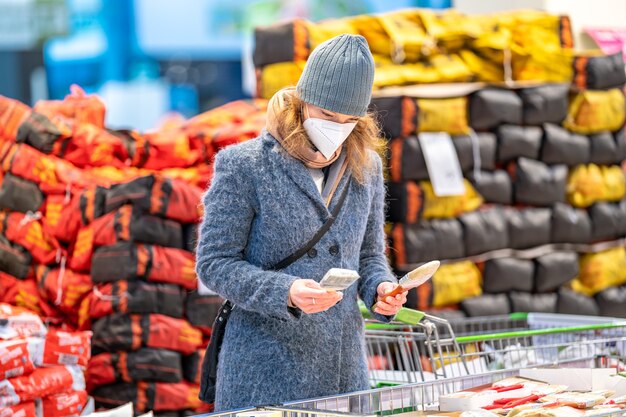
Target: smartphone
<point>337,279</point>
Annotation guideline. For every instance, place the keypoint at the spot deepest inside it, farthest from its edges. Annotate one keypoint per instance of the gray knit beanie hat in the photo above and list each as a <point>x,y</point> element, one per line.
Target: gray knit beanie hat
<point>338,76</point>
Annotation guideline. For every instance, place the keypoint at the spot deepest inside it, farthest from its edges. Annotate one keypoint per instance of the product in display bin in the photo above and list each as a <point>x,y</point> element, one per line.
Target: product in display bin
<point>159,196</point>
<point>30,233</point>
<point>148,262</point>
<point>545,103</point>
<point>528,227</point>
<point>603,149</point>
<point>428,240</point>
<point>599,72</point>
<point>533,303</point>
<point>156,396</point>
<point>601,270</point>
<point>594,111</point>
<point>555,269</point>
<point>606,220</point>
<point>518,141</point>
<point>612,302</point>
<point>484,231</point>
<point>17,194</point>
<point>492,107</point>
<point>145,364</point>
<point>464,146</point>
<point>64,286</point>
<point>17,358</point>
<point>133,297</point>
<point>439,207</point>
<point>67,404</point>
<point>41,383</point>
<point>64,220</point>
<point>563,147</point>
<point>570,225</point>
<point>201,310</point>
<point>503,275</point>
<point>67,348</point>
<point>485,398</point>
<point>49,135</point>
<point>486,305</point>
<point>571,302</point>
<point>14,259</point>
<point>591,183</point>
<point>24,293</point>
<point>495,187</point>
<point>337,279</point>
<point>130,332</point>
<point>536,183</point>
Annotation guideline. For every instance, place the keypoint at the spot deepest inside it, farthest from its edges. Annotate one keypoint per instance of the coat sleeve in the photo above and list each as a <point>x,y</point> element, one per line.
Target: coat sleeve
<point>229,208</point>
<point>373,266</point>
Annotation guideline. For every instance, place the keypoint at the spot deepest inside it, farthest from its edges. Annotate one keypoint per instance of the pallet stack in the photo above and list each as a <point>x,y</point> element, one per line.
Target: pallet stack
<point>98,232</point>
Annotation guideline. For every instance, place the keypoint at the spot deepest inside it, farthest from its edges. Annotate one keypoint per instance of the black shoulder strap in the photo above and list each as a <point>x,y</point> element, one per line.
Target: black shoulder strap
<point>316,238</point>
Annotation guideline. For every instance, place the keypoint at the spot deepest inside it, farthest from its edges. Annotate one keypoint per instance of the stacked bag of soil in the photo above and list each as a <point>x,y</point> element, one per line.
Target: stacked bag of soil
<point>98,230</point>
<point>42,369</point>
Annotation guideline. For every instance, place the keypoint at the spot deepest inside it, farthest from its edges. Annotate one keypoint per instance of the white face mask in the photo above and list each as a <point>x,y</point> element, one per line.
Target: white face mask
<point>327,136</point>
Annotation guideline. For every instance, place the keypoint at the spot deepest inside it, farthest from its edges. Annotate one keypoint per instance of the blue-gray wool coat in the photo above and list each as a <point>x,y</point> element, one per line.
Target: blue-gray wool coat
<point>263,205</point>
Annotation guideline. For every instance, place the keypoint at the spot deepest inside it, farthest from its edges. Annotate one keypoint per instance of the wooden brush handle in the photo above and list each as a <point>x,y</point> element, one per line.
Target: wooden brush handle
<point>397,291</point>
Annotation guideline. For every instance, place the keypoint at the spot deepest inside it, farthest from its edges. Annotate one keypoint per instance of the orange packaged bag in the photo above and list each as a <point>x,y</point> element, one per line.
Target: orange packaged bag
<point>15,358</point>
<point>29,232</point>
<point>77,105</point>
<point>67,404</point>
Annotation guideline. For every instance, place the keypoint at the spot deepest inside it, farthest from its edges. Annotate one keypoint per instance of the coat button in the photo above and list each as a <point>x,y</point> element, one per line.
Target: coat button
<point>312,253</point>
<point>333,250</point>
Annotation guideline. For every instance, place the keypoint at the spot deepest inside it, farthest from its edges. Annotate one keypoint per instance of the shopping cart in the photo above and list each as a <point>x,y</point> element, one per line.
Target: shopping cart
<point>404,354</point>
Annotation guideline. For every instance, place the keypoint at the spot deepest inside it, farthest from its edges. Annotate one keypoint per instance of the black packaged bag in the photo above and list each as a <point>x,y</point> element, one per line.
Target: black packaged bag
<point>407,160</point>
<point>14,259</point>
<point>570,225</point>
<point>484,231</point>
<point>436,239</point>
<point>276,43</point>
<point>18,194</point>
<point>606,220</point>
<point>545,104</point>
<point>190,237</point>
<point>620,143</point>
<point>538,184</point>
<point>603,149</point>
<point>503,275</point>
<point>145,364</point>
<point>495,187</point>
<point>555,269</point>
<point>491,107</point>
<point>42,133</point>
<point>448,238</point>
<point>486,305</point>
<point>522,302</point>
<point>192,366</point>
<point>599,72</point>
<point>464,147</point>
<point>201,310</point>
<point>622,218</point>
<point>571,302</point>
<point>612,302</point>
<point>563,147</point>
<point>404,201</point>
<point>518,141</point>
<point>397,115</point>
<point>528,227</point>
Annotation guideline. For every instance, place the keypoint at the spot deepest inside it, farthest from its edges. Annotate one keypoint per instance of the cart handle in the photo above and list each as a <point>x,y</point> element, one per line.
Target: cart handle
<point>539,332</point>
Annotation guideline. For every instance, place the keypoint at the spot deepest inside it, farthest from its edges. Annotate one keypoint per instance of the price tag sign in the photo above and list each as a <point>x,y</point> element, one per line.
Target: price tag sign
<point>443,165</point>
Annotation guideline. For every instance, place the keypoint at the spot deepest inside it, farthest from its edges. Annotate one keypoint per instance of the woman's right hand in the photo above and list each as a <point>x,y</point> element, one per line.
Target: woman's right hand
<point>311,298</point>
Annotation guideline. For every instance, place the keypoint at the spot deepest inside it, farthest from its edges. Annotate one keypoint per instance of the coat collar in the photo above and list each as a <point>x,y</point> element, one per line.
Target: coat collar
<point>299,173</point>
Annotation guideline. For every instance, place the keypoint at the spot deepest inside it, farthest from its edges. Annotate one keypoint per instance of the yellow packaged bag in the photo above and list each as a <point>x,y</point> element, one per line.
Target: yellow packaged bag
<point>409,42</point>
<point>387,75</point>
<point>541,65</point>
<point>601,270</point>
<point>327,29</point>
<point>450,29</point>
<point>435,207</point>
<point>371,29</point>
<point>453,283</point>
<point>450,68</point>
<point>540,31</point>
<point>483,69</point>
<point>274,77</point>
<point>418,73</point>
<point>588,184</point>
<point>443,115</point>
<point>595,111</point>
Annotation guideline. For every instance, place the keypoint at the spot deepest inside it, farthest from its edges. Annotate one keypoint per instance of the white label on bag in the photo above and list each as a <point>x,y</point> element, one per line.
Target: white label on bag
<point>442,162</point>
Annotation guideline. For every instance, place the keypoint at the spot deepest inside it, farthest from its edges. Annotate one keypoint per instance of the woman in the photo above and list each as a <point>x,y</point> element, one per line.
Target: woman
<point>287,338</point>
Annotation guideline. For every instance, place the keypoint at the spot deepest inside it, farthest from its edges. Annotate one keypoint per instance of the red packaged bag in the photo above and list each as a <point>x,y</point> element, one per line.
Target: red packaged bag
<point>65,214</point>
<point>41,383</point>
<point>169,149</point>
<point>15,358</point>
<point>63,287</point>
<point>28,231</point>
<point>67,348</point>
<point>77,105</point>
<point>156,396</point>
<point>95,147</point>
<point>68,404</point>
<point>24,293</point>
<point>19,322</point>
<point>25,409</point>
<point>12,115</point>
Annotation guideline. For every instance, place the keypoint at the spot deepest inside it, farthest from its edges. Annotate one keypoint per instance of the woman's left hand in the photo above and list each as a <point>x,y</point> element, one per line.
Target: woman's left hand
<point>389,306</point>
